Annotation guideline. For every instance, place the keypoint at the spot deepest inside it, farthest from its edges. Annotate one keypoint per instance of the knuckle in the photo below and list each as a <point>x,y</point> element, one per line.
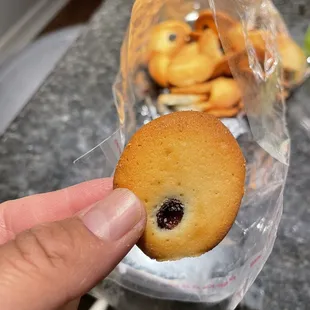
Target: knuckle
<point>48,245</point>
<point>56,242</point>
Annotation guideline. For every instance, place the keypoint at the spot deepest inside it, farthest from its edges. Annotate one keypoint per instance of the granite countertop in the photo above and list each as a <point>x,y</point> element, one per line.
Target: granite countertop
<point>73,111</point>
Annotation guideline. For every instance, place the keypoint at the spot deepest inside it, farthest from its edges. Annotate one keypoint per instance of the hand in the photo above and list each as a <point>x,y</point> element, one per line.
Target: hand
<point>55,247</point>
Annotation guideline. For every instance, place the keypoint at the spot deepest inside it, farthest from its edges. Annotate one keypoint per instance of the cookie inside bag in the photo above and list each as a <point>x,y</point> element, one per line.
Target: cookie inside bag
<point>191,69</point>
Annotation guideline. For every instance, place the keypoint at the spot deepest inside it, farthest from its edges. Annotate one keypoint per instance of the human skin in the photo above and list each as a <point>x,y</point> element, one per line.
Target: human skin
<point>55,247</point>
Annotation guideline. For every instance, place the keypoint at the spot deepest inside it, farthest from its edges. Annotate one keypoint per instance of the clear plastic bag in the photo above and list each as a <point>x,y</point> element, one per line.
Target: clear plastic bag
<point>226,272</point>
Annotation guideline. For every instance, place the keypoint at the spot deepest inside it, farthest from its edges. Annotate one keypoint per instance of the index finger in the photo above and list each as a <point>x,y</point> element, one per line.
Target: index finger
<point>21,214</point>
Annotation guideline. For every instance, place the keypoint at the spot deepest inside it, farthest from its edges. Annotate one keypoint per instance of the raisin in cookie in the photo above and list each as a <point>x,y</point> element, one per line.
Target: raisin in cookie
<point>189,171</point>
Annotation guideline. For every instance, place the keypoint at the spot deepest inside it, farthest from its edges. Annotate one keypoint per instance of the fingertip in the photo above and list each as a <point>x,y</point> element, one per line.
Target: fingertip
<point>115,216</point>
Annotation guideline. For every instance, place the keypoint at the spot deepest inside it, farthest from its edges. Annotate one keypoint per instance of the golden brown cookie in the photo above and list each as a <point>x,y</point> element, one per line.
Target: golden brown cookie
<point>197,89</point>
<point>210,45</point>
<point>293,59</point>
<point>158,69</point>
<point>180,99</point>
<point>222,67</point>
<point>206,21</point>
<point>238,60</point>
<point>235,38</point>
<point>168,37</point>
<point>225,94</point>
<point>189,171</point>
<point>190,66</point>
<point>229,112</point>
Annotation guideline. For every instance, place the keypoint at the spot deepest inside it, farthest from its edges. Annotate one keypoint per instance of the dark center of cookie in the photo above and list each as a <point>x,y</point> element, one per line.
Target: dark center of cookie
<point>172,37</point>
<point>170,214</point>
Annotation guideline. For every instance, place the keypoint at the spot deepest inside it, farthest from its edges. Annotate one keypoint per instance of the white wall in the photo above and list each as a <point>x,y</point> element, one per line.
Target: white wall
<point>12,10</point>
<point>22,20</point>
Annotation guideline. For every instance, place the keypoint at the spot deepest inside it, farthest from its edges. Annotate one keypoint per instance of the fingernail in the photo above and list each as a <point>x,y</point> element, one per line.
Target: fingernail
<point>115,216</point>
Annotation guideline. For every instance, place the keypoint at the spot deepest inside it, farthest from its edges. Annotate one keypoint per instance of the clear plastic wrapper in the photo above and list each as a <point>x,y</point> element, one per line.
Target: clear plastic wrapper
<point>225,273</point>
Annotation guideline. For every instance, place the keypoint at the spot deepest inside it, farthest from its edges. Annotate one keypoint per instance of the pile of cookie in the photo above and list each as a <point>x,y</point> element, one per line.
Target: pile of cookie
<point>193,71</point>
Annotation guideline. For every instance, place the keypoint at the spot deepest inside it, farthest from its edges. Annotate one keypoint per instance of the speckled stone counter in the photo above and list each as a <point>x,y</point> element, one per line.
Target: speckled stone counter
<point>74,110</point>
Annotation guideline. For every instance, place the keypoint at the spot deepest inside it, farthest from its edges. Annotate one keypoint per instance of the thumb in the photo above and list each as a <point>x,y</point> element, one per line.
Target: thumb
<point>52,264</point>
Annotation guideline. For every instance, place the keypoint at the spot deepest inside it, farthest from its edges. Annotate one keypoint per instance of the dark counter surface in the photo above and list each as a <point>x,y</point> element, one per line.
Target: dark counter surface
<point>73,111</point>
